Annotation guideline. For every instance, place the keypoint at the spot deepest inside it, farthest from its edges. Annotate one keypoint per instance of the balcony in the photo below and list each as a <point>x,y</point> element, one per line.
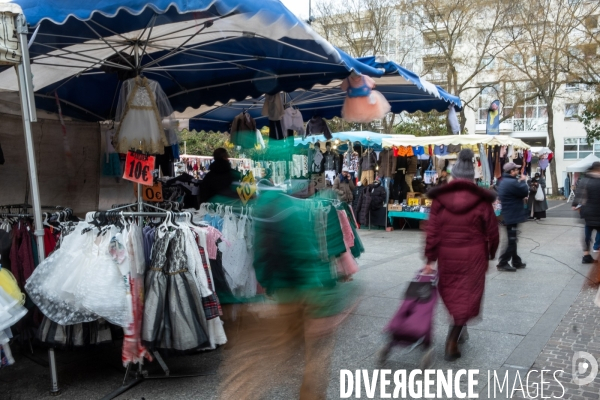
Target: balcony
<point>505,127</point>
<point>518,125</point>
<point>437,78</point>
<point>432,52</point>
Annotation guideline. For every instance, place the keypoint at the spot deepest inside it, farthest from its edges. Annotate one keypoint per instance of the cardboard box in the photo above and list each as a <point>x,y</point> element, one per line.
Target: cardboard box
<point>395,207</point>
<point>412,195</point>
<point>426,202</point>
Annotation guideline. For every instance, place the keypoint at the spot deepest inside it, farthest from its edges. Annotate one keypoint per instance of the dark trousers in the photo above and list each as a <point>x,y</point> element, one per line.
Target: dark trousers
<point>588,237</point>
<point>511,249</point>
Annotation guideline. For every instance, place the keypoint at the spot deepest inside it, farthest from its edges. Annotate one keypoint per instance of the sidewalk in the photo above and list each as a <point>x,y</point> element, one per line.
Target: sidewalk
<point>520,328</point>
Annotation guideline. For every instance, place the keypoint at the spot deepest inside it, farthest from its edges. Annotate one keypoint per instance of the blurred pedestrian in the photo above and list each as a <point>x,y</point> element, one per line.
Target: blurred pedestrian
<point>443,178</point>
<point>587,200</point>
<point>344,187</point>
<point>512,191</point>
<point>462,236</point>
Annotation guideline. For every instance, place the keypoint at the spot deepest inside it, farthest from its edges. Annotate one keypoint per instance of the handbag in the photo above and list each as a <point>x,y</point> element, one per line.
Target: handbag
<point>539,195</point>
<point>429,175</point>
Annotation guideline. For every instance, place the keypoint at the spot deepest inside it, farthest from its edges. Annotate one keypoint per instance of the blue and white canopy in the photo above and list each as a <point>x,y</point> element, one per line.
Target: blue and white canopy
<point>365,138</point>
<point>403,89</point>
<point>201,51</point>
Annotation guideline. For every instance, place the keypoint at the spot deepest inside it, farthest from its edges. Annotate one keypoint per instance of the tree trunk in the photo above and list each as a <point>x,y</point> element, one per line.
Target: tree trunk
<point>552,146</point>
<point>463,121</point>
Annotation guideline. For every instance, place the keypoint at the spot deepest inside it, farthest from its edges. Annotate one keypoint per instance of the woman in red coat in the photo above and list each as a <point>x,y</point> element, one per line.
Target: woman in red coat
<point>462,236</point>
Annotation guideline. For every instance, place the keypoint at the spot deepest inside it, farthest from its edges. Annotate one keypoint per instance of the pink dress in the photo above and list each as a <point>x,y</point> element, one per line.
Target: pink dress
<point>362,103</point>
<point>346,264</point>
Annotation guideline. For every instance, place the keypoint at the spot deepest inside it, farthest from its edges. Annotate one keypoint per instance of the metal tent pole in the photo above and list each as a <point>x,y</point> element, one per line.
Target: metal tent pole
<point>29,115</point>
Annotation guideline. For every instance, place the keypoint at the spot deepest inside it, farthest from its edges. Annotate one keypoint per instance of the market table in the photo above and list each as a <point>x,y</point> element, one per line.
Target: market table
<point>418,215</point>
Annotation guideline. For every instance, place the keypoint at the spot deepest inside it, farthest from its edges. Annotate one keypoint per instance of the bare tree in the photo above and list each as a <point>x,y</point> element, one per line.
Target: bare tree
<point>546,50</point>
<point>461,40</point>
<point>359,27</point>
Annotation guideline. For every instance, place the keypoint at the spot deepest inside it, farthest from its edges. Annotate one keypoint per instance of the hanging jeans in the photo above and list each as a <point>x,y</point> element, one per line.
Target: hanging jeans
<point>275,130</point>
<point>511,249</point>
<point>588,238</point>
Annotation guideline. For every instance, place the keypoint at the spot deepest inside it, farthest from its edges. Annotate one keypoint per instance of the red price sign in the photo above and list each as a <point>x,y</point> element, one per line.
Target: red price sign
<point>138,168</point>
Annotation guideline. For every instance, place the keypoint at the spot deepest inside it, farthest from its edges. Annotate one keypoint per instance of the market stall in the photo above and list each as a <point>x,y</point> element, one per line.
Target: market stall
<point>421,161</point>
<point>574,171</point>
<point>141,61</point>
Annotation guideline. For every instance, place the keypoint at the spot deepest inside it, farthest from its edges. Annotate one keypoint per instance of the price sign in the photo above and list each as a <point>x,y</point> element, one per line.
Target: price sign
<point>300,187</point>
<point>247,188</point>
<point>150,193</point>
<point>138,168</point>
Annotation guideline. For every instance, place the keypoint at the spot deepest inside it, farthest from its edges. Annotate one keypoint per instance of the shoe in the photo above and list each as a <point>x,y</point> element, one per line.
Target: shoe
<point>519,266</point>
<point>587,259</point>
<point>506,268</point>
<point>451,352</point>
<point>595,250</point>
<point>464,335</point>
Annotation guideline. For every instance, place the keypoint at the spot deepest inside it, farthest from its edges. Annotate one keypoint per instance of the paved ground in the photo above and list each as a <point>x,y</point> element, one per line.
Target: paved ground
<point>560,209</point>
<point>527,322</point>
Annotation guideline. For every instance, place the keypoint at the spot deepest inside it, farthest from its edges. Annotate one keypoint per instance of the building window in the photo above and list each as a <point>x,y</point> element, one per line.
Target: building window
<point>572,110</point>
<point>577,148</point>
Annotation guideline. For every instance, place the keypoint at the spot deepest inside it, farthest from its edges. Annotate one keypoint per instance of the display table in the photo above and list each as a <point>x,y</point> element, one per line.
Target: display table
<point>418,215</point>
<point>408,214</point>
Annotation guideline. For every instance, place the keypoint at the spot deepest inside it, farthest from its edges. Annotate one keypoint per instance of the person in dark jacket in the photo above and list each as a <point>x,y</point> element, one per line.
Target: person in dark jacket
<point>462,236</point>
<point>344,186</point>
<point>587,200</point>
<point>220,179</point>
<point>512,191</point>
<point>378,195</point>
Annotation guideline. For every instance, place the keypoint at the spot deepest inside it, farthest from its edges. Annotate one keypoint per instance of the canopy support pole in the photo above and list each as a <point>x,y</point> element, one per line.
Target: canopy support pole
<point>29,115</point>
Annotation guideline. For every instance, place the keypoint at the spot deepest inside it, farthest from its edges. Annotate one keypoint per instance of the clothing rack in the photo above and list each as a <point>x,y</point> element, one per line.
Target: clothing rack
<point>141,374</point>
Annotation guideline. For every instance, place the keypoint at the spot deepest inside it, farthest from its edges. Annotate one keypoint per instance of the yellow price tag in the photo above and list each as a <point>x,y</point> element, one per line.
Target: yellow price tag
<point>247,188</point>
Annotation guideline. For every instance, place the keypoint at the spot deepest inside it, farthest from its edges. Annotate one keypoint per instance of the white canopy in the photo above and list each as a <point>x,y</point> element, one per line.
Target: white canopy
<point>501,140</point>
<point>583,165</point>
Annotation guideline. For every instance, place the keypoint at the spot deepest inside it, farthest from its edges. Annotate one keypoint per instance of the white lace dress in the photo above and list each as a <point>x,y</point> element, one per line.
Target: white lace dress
<point>235,255</point>
<point>144,118</point>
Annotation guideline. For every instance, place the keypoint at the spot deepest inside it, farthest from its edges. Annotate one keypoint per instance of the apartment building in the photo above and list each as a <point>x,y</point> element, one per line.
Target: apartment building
<point>416,48</point>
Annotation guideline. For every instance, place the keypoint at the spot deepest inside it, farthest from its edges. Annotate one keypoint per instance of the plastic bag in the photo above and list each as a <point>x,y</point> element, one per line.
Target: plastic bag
<point>539,195</point>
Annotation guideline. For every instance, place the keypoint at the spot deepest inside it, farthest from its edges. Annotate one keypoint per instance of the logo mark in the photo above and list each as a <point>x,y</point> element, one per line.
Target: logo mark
<point>584,368</point>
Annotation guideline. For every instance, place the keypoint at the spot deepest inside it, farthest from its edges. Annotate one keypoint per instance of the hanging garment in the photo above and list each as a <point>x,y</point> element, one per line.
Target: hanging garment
<point>273,107</point>
<point>362,104</point>
<point>317,126</point>
<point>243,131</point>
<point>387,163</point>
<point>276,131</point>
<point>53,285</point>
<point>21,253</point>
<point>144,118</point>
<point>453,120</point>
<point>173,315</point>
<point>292,120</point>
<point>111,162</point>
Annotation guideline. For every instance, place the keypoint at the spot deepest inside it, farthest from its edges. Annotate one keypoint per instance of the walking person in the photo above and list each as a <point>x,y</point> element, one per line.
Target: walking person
<point>587,199</point>
<point>462,236</point>
<point>512,192</point>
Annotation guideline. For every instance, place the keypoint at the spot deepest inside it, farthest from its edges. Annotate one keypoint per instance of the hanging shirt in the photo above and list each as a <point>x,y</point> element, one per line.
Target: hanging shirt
<point>316,126</point>
<point>292,120</point>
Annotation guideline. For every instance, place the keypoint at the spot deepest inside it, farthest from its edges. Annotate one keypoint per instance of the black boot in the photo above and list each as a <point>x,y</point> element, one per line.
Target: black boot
<point>452,352</point>
<point>464,335</point>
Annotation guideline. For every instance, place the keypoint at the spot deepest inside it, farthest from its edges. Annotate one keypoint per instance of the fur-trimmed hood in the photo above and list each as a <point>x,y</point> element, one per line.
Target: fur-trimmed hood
<point>460,196</point>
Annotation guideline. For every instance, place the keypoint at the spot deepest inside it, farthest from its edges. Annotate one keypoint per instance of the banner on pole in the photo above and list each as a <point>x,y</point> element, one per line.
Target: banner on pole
<point>492,127</point>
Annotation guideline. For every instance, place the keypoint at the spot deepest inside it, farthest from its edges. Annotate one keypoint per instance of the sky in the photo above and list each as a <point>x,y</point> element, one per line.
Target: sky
<point>298,7</point>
